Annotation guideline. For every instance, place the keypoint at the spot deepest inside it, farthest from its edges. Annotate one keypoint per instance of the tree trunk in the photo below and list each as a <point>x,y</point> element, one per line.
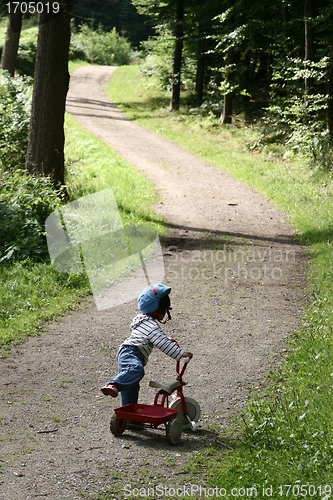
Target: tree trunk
<point>330,95</point>
<point>226,115</point>
<point>45,155</point>
<point>309,41</point>
<point>286,29</point>
<point>200,69</point>
<point>10,48</point>
<point>177,61</point>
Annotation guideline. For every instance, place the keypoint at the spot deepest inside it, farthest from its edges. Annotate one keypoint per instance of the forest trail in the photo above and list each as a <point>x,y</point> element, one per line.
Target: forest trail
<point>237,276</point>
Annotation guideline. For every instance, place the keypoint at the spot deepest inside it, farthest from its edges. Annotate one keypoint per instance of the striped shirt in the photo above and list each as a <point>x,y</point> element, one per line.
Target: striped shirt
<point>146,333</point>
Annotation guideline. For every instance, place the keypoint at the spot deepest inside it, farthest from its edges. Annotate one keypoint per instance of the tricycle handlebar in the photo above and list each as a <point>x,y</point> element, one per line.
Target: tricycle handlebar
<point>180,372</point>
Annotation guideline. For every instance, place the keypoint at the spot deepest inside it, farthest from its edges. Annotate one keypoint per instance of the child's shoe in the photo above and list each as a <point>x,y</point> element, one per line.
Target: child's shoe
<point>110,390</point>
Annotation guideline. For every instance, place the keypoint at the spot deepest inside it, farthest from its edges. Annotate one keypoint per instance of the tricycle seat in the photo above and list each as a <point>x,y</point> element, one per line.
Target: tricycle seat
<point>168,387</point>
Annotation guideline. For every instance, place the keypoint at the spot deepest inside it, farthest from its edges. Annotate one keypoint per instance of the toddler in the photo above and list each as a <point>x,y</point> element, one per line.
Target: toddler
<point>133,354</point>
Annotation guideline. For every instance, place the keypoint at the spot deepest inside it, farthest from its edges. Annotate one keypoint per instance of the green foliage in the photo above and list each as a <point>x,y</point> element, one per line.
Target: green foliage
<point>99,47</point>
<point>26,55</point>
<point>25,203</point>
<point>157,64</point>
<point>3,8</point>
<point>246,36</point>
<point>159,11</point>
<point>15,100</point>
<point>158,61</point>
<point>114,14</point>
<point>301,118</point>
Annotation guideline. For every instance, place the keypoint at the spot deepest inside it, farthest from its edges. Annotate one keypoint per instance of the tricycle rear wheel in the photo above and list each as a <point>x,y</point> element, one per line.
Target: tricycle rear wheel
<point>174,431</point>
<point>117,426</point>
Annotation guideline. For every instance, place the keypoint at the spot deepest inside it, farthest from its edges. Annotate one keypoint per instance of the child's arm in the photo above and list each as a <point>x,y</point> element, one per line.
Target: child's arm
<point>187,354</point>
<point>165,344</point>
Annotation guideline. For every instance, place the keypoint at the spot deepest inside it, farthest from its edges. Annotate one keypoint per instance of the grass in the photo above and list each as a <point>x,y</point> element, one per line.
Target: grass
<point>33,292</point>
<point>286,438</point>
<point>72,65</point>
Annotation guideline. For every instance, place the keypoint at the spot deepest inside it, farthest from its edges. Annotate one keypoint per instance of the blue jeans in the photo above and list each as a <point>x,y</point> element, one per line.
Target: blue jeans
<point>130,372</point>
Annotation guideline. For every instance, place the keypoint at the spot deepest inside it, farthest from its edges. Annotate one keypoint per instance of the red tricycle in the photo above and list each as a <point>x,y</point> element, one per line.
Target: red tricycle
<point>181,413</point>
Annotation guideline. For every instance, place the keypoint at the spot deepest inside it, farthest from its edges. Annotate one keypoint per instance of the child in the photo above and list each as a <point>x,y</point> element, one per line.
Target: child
<point>154,303</point>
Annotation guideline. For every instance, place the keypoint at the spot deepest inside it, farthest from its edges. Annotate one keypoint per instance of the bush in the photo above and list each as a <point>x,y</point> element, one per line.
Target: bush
<point>25,203</point>
<point>158,63</point>
<point>26,54</point>
<point>15,101</point>
<point>26,58</point>
<point>299,116</point>
<point>100,47</point>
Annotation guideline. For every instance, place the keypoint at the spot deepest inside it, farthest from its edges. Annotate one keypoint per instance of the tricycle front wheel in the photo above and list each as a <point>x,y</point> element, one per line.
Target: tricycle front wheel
<point>174,431</point>
<point>193,411</point>
<point>117,426</point>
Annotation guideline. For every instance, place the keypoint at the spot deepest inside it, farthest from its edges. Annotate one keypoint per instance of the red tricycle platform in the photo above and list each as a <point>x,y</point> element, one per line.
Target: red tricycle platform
<point>151,414</point>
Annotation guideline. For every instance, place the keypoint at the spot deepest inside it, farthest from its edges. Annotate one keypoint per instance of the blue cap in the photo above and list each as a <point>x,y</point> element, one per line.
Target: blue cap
<point>150,297</point>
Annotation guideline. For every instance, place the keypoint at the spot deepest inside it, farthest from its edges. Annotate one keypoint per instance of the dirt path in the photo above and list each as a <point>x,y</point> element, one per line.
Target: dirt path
<point>237,276</point>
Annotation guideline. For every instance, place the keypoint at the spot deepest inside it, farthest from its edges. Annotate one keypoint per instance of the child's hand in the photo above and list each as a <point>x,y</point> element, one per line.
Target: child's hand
<point>188,355</point>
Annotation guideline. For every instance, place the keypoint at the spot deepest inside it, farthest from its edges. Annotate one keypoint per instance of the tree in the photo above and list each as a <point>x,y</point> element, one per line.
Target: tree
<point>309,39</point>
<point>249,36</point>
<point>177,59</point>
<point>199,33</point>
<point>200,73</point>
<point>45,153</point>
<point>226,115</point>
<point>329,113</point>
<point>285,24</point>
<point>10,48</point>
<point>168,13</point>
